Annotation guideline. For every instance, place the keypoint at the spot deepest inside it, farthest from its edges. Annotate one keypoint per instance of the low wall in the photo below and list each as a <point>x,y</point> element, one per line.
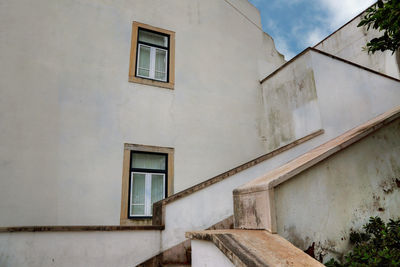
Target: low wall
<point>42,249</point>
<point>321,205</point>
<point>205,253</point>
<point>290,103</point>
<point>211,204</point>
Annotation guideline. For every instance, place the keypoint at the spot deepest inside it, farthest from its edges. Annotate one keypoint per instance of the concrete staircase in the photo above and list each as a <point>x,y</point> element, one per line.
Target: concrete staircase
<point>207,204</point>
<point>256,208</point>
<point>168,213</point>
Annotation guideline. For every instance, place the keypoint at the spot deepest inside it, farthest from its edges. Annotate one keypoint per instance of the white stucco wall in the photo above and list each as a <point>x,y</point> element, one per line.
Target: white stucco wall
<point>86,249</point>
<point>348,43</point>
<point>347,97</point>
<point>205,253</point>
<point>325,202</point>
<point>67,108</point>
<point>290,104</point>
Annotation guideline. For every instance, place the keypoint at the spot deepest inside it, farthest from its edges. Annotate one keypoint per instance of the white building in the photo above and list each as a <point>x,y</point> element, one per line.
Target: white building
<point>110,106</point>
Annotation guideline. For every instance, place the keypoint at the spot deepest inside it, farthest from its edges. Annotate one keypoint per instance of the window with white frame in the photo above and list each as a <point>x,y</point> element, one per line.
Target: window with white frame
<point>148,178</point>
<point>152,55</point>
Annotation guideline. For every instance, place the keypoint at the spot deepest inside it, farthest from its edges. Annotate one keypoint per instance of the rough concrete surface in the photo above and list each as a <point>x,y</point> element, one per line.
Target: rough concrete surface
<point>255,248</point>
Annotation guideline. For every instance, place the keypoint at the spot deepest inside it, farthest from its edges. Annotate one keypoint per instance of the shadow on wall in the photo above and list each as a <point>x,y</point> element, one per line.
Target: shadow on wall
<point>398,59</point>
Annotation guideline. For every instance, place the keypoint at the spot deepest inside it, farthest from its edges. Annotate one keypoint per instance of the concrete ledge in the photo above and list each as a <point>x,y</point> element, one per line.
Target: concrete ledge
<point>78,228</point>
<point>254,202</point>
<point>255,248</point>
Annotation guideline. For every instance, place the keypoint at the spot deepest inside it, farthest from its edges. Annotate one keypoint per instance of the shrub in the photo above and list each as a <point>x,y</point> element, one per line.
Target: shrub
<point>377,245</point>
<point>384,16</point>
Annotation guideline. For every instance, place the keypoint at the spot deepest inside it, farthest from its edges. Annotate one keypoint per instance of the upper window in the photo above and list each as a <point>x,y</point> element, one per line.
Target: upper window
<point>152,56</point>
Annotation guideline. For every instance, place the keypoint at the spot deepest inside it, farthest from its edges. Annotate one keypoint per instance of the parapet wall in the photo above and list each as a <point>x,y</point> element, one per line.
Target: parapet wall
<point>323,204</point>
<point>349,42</point>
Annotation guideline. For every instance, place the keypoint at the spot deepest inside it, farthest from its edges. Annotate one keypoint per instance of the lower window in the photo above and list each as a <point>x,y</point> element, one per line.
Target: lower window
<point>148,182</point>
<point>147,177</point>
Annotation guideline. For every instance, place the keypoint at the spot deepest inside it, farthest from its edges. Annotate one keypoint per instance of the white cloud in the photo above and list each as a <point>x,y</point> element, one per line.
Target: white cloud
<point>342,11</point>
<point>271,25</point>
<point>316,19</point>
<point>314,37</point>
<point>283,48</point>
<point>281,43</point>
<point>338,13</point>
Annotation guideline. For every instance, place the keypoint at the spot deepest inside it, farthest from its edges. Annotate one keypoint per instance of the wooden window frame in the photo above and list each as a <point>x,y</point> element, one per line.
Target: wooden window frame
<point>148,177</point>
<point>170,83</point>
<point>125,219</point>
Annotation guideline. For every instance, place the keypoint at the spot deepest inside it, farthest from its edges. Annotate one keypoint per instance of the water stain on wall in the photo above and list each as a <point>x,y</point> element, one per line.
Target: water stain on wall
<point>282,101</point>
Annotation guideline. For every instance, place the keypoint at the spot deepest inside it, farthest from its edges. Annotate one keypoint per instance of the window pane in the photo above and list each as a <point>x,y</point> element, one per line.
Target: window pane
<point>143,72</point>
<point>148,161</point>
<point>157,187</point>
<point>137,193</point>
<point>144,61</point>
<point>137,209</point>
<point>153,38</point>
<point>138,187</point>
<point>161,65</point>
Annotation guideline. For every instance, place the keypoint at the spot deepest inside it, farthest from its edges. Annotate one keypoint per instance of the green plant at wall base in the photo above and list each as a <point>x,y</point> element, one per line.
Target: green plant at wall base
<point>378,245</point>
<point>385,17</point>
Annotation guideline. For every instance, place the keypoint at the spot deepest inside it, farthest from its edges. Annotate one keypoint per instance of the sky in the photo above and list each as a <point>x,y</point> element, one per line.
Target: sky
<point>297,24</point>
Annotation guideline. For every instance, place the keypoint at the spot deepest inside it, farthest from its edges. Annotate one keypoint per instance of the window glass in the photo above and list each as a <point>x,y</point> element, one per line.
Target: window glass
<point>161,65</point>
<point>153,38</point>
<point>148,161</point>
<point>157,187</point>
<point>148,183</point>
<point>138,194</point>
<point>144,61</point>
<point>137,209</point>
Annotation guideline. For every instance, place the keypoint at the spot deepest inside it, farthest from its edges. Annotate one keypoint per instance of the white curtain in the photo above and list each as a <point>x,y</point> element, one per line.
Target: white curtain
<point>157,187</point>
<point>138,193</point>
<point>161,64</point>
<point>148,161</point>
<point>144,61</point>
<point>153,38</point>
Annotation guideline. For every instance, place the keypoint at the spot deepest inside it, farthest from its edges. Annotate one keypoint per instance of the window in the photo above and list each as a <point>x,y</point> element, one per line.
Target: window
<point>147,182</point>
<point>147,177</point>
<point>152,56</point>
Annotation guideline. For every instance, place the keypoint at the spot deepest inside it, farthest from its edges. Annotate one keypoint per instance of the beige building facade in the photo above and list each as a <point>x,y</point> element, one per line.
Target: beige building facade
<point>107,107</point>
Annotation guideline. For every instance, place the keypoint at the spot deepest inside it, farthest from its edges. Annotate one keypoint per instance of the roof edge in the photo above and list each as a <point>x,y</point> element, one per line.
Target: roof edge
<point>344,25</point>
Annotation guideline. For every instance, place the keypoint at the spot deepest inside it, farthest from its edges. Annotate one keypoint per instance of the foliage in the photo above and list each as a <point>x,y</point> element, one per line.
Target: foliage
<point>378,245</point>
<point>384,16</point>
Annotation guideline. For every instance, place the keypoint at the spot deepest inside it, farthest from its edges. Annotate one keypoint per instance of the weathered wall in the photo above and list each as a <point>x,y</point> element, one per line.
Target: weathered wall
<point>67,108</point>
<point>290,104</point>
<point>348,95</point>
<point>348,43</point>
<point>325,202</point>
<point>205,253</point>
<point>315,91</point>
<point>84,249</point>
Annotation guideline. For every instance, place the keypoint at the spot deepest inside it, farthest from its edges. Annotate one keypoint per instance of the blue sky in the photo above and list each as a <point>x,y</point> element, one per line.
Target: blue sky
<point>298,24</point>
